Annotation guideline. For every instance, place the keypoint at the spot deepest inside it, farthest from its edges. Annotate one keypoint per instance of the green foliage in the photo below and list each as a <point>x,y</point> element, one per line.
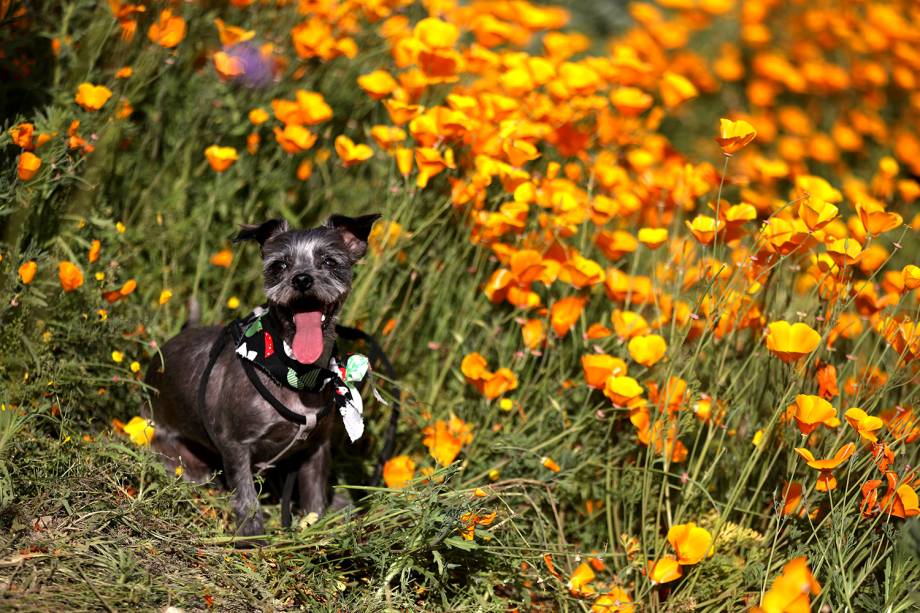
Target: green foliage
<point>96,524</point>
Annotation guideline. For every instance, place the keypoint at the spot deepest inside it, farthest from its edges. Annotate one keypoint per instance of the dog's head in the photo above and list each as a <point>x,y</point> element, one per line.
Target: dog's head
<point>308,275</point>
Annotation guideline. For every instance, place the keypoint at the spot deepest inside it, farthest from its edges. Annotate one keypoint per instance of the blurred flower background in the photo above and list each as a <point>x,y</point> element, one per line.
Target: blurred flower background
<point>648,271</point>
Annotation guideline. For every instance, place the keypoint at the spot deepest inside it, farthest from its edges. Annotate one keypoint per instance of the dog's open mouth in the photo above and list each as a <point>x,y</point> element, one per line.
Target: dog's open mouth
<point>310,319</point>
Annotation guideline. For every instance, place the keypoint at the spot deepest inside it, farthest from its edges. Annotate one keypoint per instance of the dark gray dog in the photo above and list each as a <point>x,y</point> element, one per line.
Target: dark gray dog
<point>308,275</point>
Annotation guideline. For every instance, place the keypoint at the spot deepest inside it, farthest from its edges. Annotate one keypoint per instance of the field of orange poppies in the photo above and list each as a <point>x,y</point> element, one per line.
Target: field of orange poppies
<point>648,272</point>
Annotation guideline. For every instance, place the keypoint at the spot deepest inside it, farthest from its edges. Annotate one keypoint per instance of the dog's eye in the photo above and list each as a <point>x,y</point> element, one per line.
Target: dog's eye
<point>279,265</point>
<point>330,262</point>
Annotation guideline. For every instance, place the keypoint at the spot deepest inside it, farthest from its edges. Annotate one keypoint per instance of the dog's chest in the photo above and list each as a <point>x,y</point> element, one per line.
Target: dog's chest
<point>274,434</point>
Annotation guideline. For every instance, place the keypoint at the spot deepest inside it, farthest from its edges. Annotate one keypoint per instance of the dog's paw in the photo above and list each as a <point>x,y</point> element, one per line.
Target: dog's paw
<point>251,526</point>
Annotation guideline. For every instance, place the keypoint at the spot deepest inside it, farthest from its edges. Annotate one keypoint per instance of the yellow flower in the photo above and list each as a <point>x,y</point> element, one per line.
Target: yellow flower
<point>653,238</point>
<point>233,303</point>
<point>789,342</point>
<point>811,411</point>
<point>844,251</point>
<point>135,366</point>
<point>690,542</point>
<point>621,389</point>
<point>165,295</point>
<point>734,135</point>
<point>140,431</point>
<point>349,152</point>
<point>117,357</point>
<point>378,84</point>
<point>647,350</point>
<point>664,570</point>
<point>220,158</point>
<point>864,424</point>
<point>676,89</point>
<point>258,116</point>
<point>92,97</point>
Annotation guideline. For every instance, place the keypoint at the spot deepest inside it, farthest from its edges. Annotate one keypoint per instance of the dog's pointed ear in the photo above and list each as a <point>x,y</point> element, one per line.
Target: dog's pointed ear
<point>261,232</point>
<point>354,231</point>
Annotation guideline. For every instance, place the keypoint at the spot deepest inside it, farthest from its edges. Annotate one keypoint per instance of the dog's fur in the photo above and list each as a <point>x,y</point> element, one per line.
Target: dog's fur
<point>237,429</point>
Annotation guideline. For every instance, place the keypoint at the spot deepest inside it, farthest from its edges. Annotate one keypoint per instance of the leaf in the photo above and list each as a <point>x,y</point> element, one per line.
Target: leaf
<point>456,542</point>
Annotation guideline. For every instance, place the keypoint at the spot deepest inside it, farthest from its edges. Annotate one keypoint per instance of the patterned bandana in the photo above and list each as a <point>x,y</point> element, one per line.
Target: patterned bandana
<point>258,339</point>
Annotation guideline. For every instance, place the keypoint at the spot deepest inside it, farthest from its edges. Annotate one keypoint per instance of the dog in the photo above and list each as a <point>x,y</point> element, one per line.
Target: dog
<point>308,275</point>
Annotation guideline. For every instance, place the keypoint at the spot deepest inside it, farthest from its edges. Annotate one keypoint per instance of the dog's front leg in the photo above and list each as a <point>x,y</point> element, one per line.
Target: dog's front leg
<point>313,479</point>
<point>238,467</point>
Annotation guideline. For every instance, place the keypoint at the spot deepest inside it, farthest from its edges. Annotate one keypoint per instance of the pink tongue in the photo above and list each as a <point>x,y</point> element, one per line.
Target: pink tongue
<point>308,336</point>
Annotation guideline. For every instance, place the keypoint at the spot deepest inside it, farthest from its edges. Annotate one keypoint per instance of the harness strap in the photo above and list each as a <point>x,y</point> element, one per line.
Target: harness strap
<point>285,412</point>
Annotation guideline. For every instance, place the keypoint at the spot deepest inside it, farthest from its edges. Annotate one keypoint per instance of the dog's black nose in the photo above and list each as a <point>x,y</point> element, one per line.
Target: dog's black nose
<point>302,282</point>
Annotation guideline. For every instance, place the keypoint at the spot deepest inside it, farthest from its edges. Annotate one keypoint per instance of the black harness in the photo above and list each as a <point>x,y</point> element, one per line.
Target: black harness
<point>313,378</point>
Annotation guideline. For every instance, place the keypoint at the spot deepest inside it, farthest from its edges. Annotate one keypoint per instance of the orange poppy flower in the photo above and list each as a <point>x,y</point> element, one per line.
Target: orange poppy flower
<point>614,601</point>
<point>28,166</point>
<point>294,138</point>
<point>308,108</point>
<point>445,439</point>
<point>598,367</point>
<point>27,271</point>
<point>789,342</point>
<point>168,31</point>
<point>581,577</point>
<point>398,471</point>
<point>676,89</point>
<point>690,542</point>
<point>792,590</point>
<point>581,272</point>
<point>22,135</point>
<point>565,313</point>
<point>704,228</point>
<point>500,382</point>
<point>734,135</point>
<point>616,244</point>
<point>550,464</point>
<point>70,276</point>
<point>430,163</point>
<point>812,411</point>
<point>474,367</point>
<point>92,97</point>
<point>875,219</point>
<point>628,324</point>
<point>533,333</point>
<point>864,424</point>
<point>911,276</point>
<point>647,350</point>
<point>792,497</point>
<point>630,101</point>
<point>471,520</point>
<point>378,84</point>
<point>94,249</point>
<point>664,570</point>
<point>222,258</point>
<point>621,389</point>
<point>817,212</point>
<point>220,158</point>
<point>350,153</point>
<point>826,480</point>
<point>844,251</point>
